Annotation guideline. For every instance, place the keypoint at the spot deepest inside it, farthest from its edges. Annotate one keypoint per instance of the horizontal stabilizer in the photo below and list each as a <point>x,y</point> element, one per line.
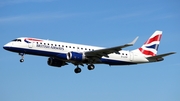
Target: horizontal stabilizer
<point>161,55</point>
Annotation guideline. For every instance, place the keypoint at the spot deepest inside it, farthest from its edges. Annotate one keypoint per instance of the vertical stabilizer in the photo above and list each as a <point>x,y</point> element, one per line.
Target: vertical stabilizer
<point>150,47</point>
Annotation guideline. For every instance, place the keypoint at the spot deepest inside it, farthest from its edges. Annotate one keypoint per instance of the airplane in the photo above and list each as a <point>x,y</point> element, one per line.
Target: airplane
<point>61,53</point>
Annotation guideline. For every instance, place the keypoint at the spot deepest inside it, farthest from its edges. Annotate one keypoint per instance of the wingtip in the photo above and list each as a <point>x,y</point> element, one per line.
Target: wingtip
<point>173,52</point>
<point>134,41</point>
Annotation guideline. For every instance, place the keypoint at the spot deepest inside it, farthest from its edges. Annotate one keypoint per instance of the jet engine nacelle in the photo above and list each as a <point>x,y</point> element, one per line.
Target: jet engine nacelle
<point>55,62</point>
<point>75,56</point>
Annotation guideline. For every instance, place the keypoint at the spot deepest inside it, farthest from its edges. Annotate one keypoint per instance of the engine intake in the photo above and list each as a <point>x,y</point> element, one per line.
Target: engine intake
<point>55,62</point>
<point>75,56</point>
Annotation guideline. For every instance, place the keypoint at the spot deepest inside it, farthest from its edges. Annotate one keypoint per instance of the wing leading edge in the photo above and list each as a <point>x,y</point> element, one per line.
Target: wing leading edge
<point>161,55</point>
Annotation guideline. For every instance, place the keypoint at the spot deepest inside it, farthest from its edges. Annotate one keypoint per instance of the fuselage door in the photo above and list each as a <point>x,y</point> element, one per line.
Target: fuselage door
<point>30,45</point>
<point>131,56</point>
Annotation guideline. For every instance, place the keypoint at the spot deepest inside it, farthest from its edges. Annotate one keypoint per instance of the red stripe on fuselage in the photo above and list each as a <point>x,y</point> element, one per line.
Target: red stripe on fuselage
<point>155,38</point>
<point>32,39</point>
<point>146,52</point>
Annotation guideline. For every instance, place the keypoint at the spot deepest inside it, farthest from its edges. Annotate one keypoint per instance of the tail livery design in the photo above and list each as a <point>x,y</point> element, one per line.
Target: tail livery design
<point>150,47</point>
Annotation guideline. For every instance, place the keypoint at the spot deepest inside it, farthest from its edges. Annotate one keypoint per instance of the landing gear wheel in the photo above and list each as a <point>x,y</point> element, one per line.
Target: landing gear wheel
<point>91,67</point>
<point>77,70</point>
<point>21,60</point>
<point>22,57</point>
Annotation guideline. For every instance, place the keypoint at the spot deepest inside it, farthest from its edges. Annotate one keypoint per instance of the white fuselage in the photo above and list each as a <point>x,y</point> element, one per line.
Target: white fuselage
<point>53,48</point>
<point>62,53</point>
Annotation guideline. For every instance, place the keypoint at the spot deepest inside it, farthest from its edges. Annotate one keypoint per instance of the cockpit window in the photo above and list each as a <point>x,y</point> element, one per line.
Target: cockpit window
<point>17,40</point>
<point>14,40</point>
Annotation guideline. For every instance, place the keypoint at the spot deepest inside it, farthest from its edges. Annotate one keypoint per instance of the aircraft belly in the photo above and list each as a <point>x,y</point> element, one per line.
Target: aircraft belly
<point>115,62</point>
<point>115,59</point>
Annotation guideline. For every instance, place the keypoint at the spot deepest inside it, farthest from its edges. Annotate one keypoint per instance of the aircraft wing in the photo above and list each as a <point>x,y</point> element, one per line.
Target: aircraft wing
<point>161,55</point>
<point>106,51</point>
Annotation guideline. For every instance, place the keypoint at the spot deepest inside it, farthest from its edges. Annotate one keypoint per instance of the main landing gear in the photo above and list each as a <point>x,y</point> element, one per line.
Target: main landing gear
<point>91,67</point>
<point>22,57</point>
<point>78,70</point>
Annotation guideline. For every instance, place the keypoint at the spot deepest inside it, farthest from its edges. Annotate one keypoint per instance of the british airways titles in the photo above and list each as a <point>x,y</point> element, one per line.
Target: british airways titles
<point>48,46</point>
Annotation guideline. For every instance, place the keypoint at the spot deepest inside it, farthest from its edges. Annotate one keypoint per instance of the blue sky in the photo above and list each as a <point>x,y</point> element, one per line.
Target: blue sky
<point>101,23</point>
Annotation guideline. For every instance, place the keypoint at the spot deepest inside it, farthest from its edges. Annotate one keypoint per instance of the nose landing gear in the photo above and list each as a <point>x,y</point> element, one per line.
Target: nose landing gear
<point>22,57</point>
<point>21,60</point>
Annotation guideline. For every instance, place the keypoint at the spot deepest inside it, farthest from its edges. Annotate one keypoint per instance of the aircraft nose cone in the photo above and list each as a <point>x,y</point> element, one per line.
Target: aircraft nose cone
<point>6,47</point>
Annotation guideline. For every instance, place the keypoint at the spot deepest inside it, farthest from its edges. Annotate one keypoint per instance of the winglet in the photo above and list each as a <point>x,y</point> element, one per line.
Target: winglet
<point>133,42</point>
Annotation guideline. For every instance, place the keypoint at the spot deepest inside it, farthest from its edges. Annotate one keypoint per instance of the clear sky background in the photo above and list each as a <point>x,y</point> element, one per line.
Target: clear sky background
<point>104,23</point>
